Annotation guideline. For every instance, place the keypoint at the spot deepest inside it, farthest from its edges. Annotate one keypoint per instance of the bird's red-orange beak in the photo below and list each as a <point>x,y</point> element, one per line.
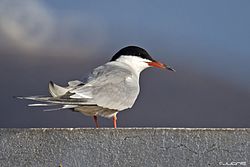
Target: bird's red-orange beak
<point>160,65</point>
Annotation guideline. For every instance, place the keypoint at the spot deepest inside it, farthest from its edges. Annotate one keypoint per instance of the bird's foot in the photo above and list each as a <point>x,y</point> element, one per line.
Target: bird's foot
<point>114,121</point>
<point>96,122</point>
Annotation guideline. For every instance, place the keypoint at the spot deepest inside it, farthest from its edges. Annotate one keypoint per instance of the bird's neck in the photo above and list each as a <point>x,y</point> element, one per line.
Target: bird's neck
<point>134,63</point>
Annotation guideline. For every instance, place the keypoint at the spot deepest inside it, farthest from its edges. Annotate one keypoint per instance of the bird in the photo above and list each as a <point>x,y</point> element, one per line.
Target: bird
<point>109,88</point>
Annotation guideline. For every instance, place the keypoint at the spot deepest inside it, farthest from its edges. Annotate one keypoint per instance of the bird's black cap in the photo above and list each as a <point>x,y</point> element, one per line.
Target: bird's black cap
<point>132,51</point>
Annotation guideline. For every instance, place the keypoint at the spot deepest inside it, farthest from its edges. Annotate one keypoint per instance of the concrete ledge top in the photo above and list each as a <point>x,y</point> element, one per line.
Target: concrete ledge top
<point>135,128</point>
<point>125,147</point>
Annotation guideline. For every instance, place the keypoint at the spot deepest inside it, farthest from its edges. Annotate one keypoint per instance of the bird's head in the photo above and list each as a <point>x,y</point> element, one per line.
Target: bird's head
<point>138,58</point>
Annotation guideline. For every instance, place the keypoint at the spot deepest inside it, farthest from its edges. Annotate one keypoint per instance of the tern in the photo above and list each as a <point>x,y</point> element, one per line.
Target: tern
<point>109,88</point>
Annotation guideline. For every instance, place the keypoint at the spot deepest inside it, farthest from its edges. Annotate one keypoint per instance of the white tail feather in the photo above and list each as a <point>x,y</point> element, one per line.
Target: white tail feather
<point>56,90</point>
<point>61,108</point>
<point>40,105</point>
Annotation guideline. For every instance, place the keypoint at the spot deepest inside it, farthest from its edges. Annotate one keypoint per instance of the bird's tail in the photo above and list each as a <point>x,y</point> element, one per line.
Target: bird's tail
<point>50,102</point>
<point>55,100</point>
<point>58,99</point>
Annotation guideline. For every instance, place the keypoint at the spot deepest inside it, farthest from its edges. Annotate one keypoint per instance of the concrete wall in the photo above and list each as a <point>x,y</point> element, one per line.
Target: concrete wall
<point>157,147</point>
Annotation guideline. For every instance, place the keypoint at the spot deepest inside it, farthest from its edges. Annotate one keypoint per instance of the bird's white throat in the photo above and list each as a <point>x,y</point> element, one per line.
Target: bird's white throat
<point>136,64</point>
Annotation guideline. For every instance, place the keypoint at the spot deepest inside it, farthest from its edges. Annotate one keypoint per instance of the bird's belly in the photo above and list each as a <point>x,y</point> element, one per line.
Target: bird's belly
<point>96,111</point>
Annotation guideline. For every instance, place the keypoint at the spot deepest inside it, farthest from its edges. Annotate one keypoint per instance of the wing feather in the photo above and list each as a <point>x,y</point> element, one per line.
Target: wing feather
<point>109,87</point>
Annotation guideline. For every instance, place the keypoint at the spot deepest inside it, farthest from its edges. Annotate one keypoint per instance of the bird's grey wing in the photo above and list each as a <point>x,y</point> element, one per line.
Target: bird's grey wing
<point>110,87</point>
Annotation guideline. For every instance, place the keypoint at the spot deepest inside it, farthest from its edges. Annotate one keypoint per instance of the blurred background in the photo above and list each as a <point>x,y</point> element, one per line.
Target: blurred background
<point>207,42</point>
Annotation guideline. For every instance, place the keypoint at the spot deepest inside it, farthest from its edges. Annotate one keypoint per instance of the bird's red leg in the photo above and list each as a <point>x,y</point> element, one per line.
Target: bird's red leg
<point>96,122</point>
<point>114,120</point>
